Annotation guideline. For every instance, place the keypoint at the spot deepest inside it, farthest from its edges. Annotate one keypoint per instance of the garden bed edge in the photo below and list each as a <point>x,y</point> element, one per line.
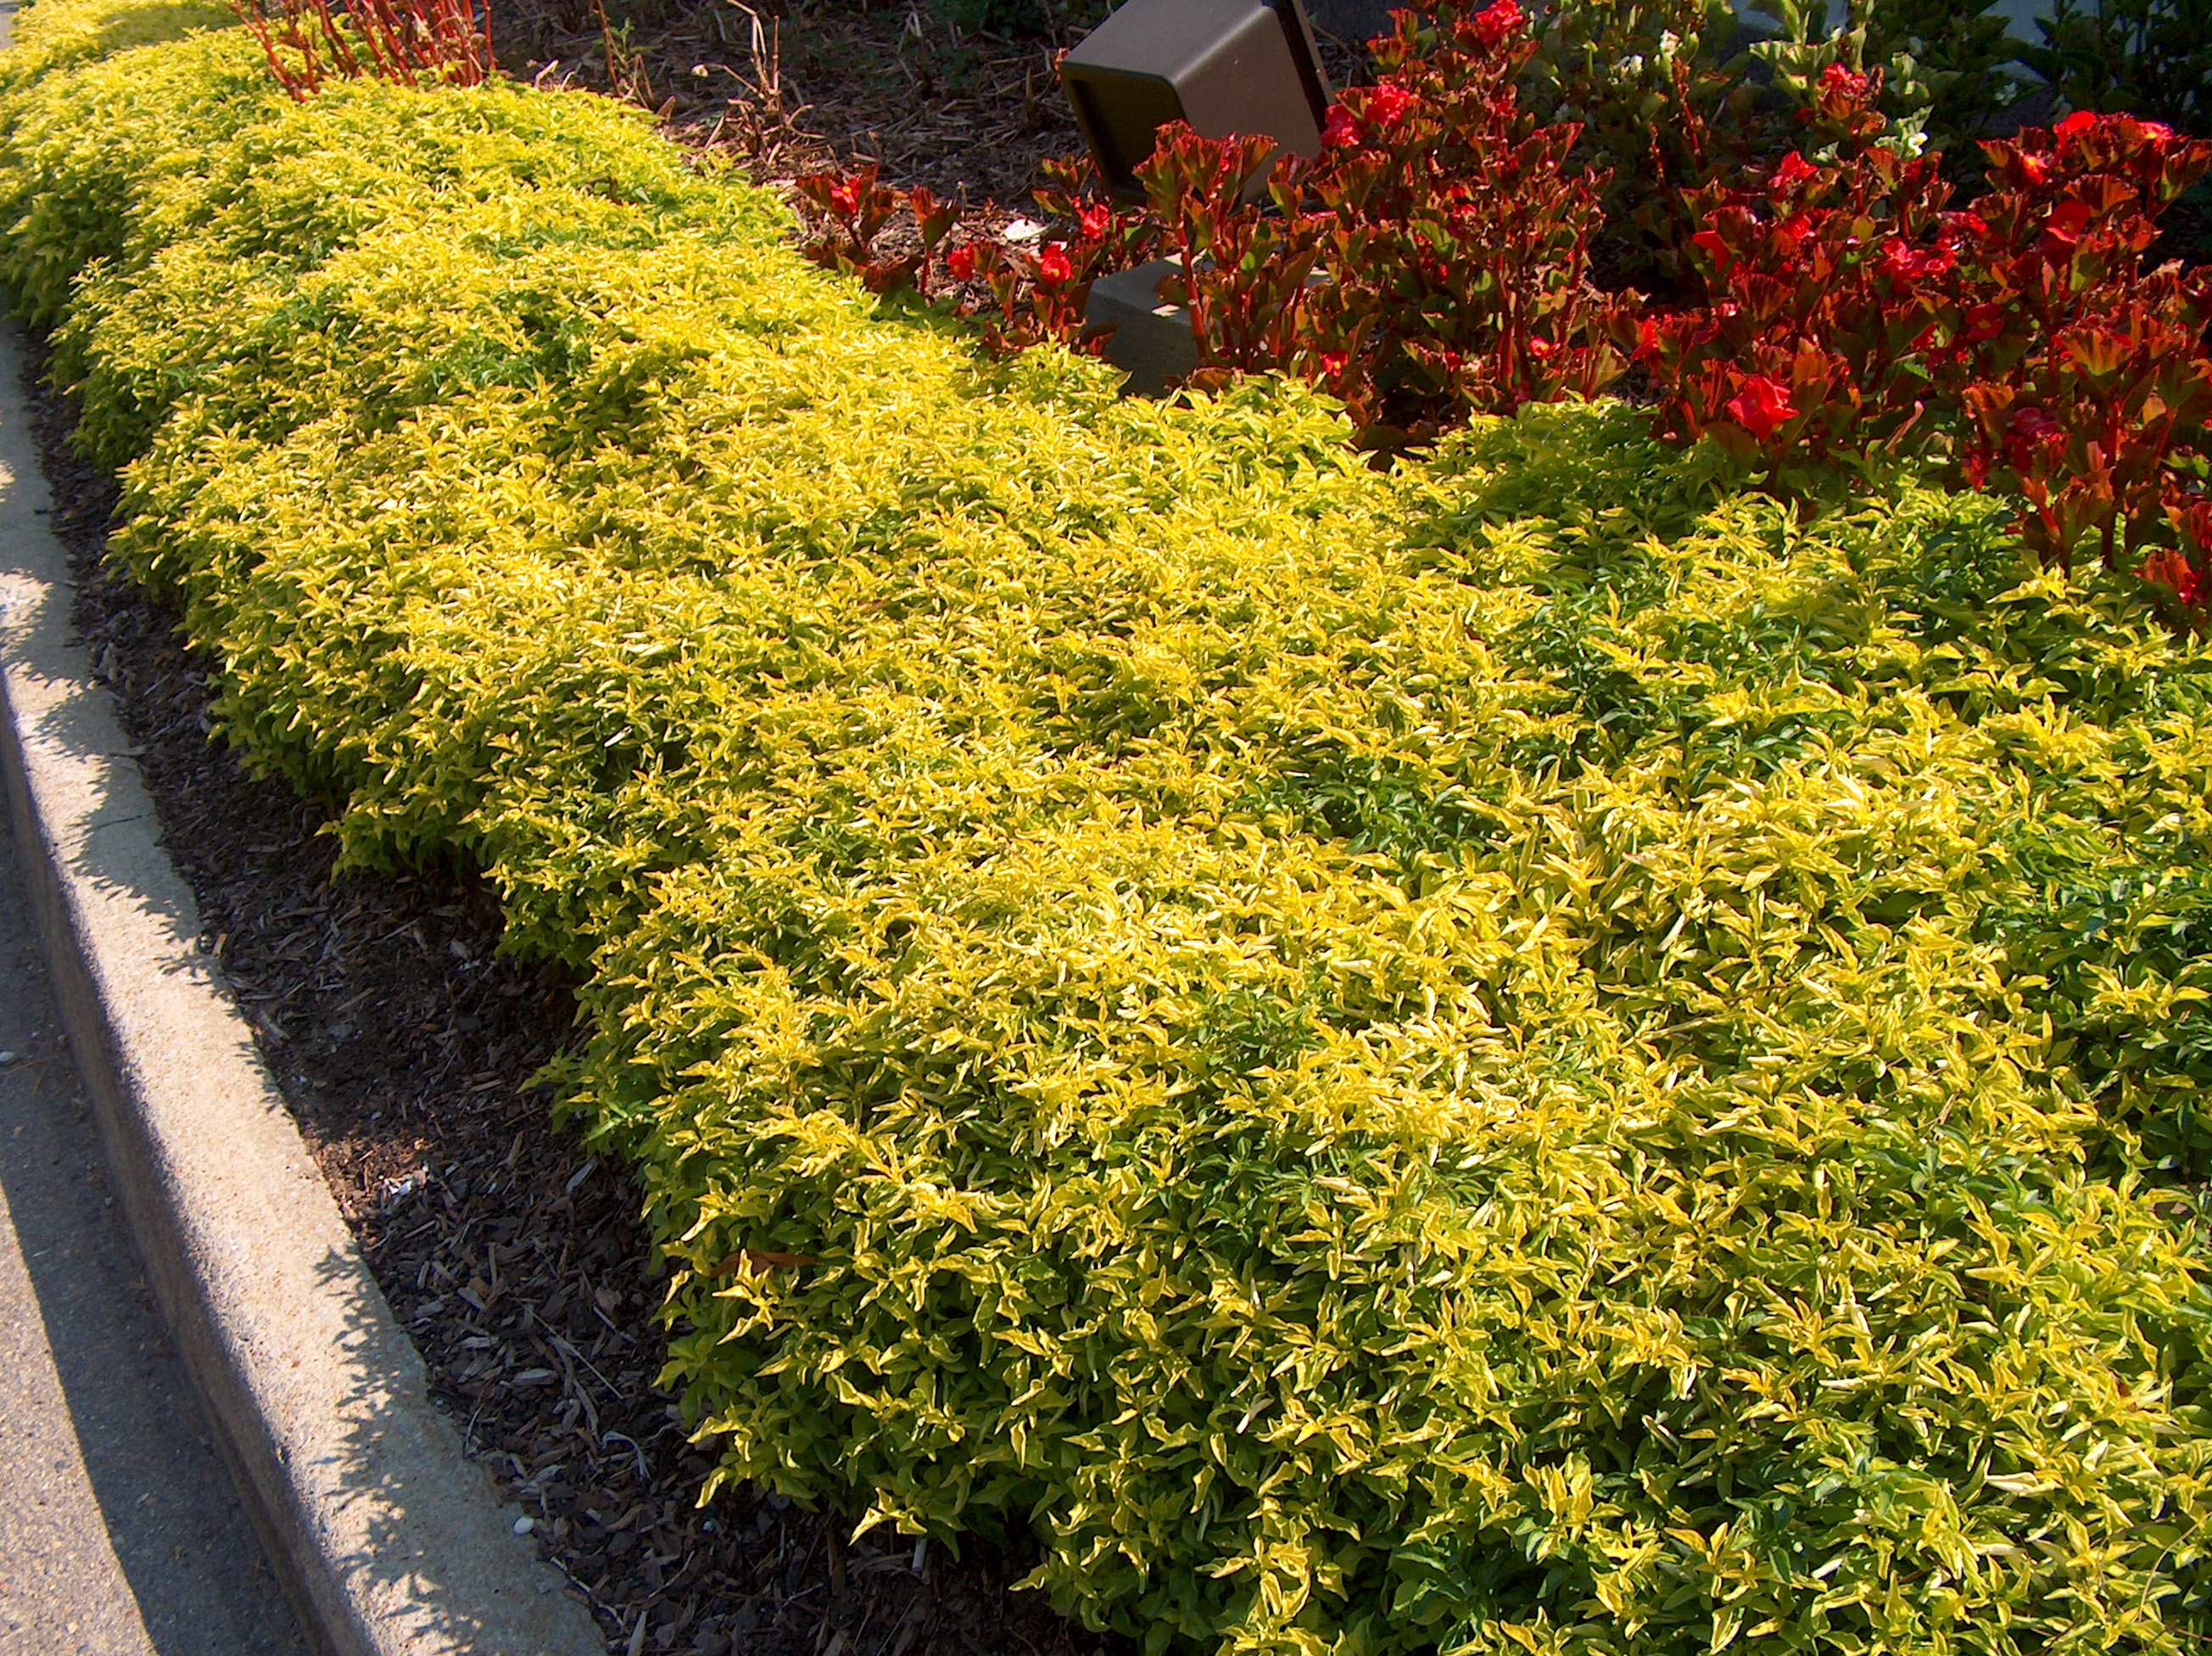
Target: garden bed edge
<point>385,1537</point>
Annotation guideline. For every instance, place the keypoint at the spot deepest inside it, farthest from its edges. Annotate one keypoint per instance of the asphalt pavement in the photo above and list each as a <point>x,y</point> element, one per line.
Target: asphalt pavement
<point>120,1533</point>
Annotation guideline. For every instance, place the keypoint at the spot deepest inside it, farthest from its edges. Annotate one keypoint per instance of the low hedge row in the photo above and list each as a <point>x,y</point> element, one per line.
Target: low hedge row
<point>1523,1053</point>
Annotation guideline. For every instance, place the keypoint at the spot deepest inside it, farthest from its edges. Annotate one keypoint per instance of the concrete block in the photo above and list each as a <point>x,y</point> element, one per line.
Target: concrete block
<point>1152,341</point>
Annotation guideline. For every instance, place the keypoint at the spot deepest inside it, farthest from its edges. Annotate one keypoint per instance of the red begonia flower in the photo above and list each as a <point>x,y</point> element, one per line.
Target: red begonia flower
<point>1386,105</point>
<point>1837,78</point>
<point>2067,221</point>
<point>1794,170</point>
<point>1762,407</point>
<point>1494,24</point>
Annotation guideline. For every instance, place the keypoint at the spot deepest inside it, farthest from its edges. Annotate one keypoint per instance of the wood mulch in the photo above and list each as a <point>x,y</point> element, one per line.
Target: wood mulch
<point>404,1045</point>
<point>806,86</point>
<point>825,85</point>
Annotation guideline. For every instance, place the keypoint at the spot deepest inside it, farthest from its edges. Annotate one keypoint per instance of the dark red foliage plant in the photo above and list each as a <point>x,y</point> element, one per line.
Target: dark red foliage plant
<point>1433,263</point>
<point>2082,371</point>
<point>410,42</point>
<point>848,214</point>
<point>895,240</point>
<point>1430,264</point>
<point>1850,314</point>
<point>1248,267</point>
<point>1825,290</point>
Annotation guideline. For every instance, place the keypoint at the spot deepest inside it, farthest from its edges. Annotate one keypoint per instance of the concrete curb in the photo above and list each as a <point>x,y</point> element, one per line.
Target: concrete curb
<point>388,1540</point>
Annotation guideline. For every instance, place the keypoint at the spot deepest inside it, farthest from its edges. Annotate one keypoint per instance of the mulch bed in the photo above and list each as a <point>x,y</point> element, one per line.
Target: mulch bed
<point>969,117</point>
<point>405,1047</point>
<point>799,87</point>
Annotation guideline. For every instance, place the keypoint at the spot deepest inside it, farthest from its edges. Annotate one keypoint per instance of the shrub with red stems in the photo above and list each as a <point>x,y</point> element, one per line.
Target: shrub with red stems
<point>410,42</point>
<point>1811,344</point>
<point>1433,263</point>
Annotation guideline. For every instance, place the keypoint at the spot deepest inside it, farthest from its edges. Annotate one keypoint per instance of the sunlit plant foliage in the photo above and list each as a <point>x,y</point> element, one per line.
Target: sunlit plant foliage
<point>1526,1052</point>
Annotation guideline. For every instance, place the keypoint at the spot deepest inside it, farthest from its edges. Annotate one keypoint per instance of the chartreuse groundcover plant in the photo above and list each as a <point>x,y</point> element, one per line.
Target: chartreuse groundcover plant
<point>1528,1052</point>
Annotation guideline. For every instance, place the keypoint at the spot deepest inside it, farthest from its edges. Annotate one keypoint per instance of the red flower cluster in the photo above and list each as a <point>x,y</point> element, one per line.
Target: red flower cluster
<point>1848,85</point>
<point>1499,23</point>
<point>1802,298</point>
<point>1762,407</point>
<point>1849,313</point>
<point>1433,263</point>
<point>1794,172</point>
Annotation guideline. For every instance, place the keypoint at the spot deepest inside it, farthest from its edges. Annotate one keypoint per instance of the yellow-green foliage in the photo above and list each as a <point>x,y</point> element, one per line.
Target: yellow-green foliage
<point>1521,1055</point>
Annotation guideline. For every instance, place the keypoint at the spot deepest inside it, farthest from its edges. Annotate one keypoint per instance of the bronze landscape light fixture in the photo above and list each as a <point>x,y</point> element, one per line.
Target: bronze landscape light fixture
<point>1228,67</point>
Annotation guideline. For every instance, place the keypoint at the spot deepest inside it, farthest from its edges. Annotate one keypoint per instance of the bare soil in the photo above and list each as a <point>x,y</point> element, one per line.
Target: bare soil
<point>405,1046</point>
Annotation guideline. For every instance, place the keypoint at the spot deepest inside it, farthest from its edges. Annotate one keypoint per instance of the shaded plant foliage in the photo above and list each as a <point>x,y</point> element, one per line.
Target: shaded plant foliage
<point>2152,59</point>
<point>1659,93</point>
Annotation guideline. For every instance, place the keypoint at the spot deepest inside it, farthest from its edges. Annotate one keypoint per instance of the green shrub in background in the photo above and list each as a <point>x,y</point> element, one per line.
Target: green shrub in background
<point>1526,1053</point>
<point>1946,65</point>
<point>1658,88</point>
<point>1663,92</point>
<point>2149,58</point>
<point>1961,51</point>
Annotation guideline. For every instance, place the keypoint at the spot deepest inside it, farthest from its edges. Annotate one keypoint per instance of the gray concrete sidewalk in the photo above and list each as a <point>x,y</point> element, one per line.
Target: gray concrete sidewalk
<point>120,1534</point>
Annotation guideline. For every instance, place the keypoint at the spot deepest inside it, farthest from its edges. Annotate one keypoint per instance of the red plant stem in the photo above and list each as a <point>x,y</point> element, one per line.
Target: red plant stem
<point>341,50</point>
